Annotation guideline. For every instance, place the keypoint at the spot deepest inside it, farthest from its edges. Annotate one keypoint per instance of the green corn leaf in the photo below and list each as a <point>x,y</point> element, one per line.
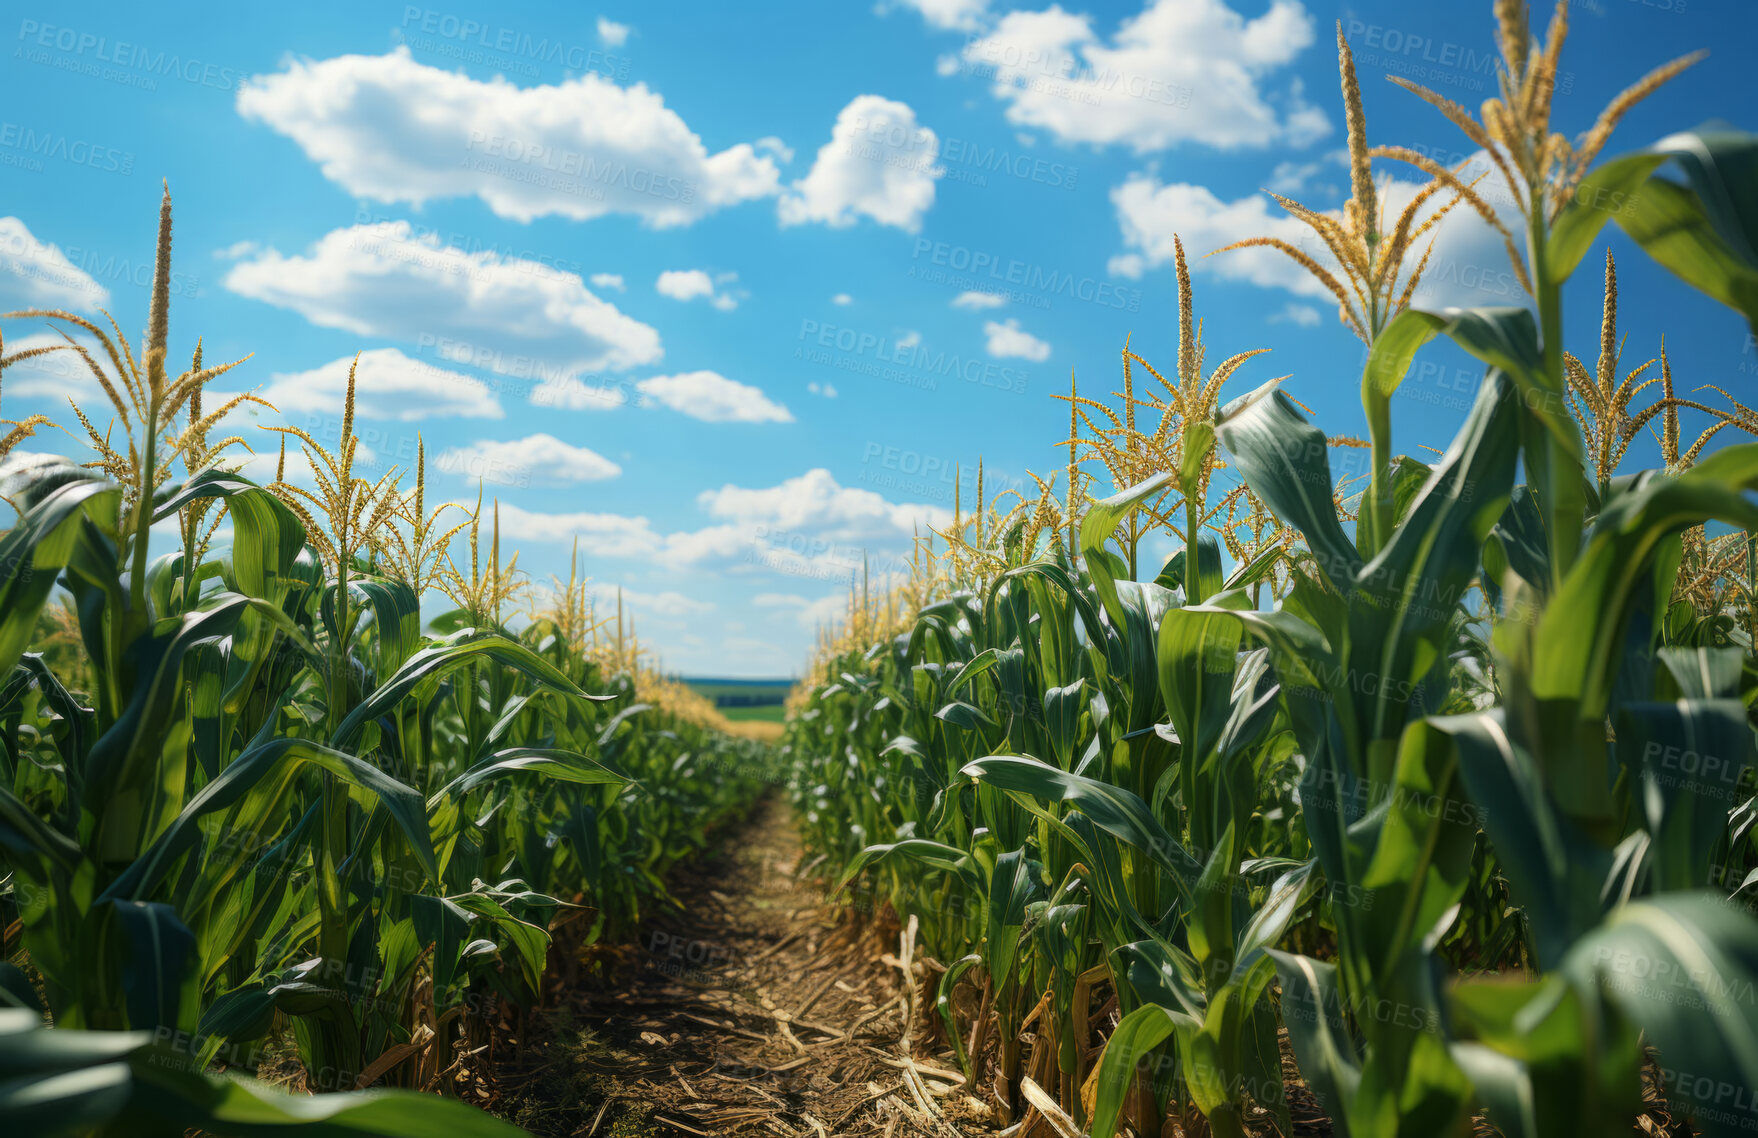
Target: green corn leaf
<point>1594,601</point>
<point>1286,462</point>
<point>1704,231</point>
<point>255,782</point>
<point>935,855</point>
<point>37,548</point>
<point>1136,1037</point>
<point>564,766</point>
<point>1116,811</point>
<point>447,656</point>
<point>1099,526</point>
<point>1312,1010</point>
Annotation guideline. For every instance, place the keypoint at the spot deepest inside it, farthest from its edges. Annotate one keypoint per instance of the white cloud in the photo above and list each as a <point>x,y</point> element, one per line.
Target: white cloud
<point>810,526</point>
<point>37,274</point>
<point>978,300</point>
<point>612,33</point>
<point>684,284</point>
<point>811,614</point>
<point>1150,214</point>
<point>236,250</point>
<point>713,398</point>
<point>1290,178</point>
<point>58,375</point>
<point>689,284</point>
<point>569,392</point>
<point>842,298</point>
<point>1010,341</point>
<point>825,611</point>
<point>951,15</point>
<point>538,460</point>
<point>667,604</point>
<point>386,280</point>
<point>1304,315</point>
<point>816,502</point>
<point>908,340</point>
<point>1179,71</point>
<point>608,281</point>
<point>769,144</point>
<point>827,390</point>
<point>606,535</point>
<point>387,385</point>
<point>1469,265</point>
<point>391,129</point>
<point>879,163</point>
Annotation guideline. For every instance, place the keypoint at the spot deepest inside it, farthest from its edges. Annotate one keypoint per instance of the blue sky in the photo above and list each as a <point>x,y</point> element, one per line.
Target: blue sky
<point>688,281</point>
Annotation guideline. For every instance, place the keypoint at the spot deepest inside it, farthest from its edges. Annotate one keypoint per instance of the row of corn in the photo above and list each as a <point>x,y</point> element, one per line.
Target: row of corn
<point>1435,789</point>
<point>252,805</point>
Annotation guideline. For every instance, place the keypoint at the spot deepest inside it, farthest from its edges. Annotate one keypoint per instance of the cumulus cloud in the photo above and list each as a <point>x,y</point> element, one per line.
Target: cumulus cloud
<point>58,375</point>
<point>1008,340</point>
<point>570,393</point>
<point>37,274</point>
<point>386,280</point>
<point>1179,71</point>
<point>612,281</point>
<point>816,502</point>
<point>536,460</point>
<point>842,298</point>
<point>690,284</point>
<point>879,163</point>
<point>811,614</point>
<point>387,385</point>
<point>606,535</point>
<point>391,129</point>
<point>666,605</point>
<point>951,15</point>
<point>1304,315</point>
<point>612,33</point>
<point>827,390</point>
<point>1469,265</point>
<point>978,300</point>
<point>684,284</point>
<point>809,526</point>
<point>713,398</point>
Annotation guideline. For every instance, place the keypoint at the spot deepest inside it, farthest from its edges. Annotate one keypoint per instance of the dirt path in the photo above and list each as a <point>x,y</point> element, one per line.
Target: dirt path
<point>751,1009</point>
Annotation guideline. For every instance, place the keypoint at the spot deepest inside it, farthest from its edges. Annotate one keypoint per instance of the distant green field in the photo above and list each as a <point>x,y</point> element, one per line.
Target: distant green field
<point>744,699</point>
<point>767,713</point>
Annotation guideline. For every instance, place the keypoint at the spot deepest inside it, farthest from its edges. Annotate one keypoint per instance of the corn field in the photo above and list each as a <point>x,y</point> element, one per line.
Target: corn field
<point>1419,804</point>
<point>1445,780</point>
<point>247,790</point>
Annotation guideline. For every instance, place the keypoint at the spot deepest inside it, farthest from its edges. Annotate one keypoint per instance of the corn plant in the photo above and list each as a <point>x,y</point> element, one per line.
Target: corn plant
<point>1455,722</point>
<point>262,794</point>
